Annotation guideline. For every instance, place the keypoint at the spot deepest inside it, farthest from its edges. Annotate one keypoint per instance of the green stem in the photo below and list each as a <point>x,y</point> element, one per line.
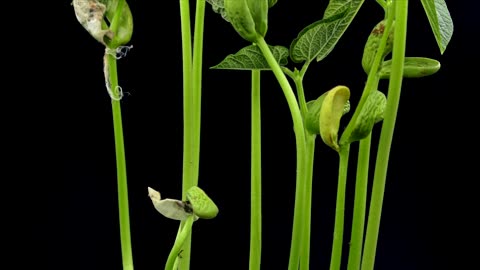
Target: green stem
<point>386,135</point>
<point>310,144</point>
<point>188,110</point>
<point>197,82</point>
<point>305,256</point>
<point>122,187</point>
<point>179,242</point>
<point>189,154</point>
<point>372,80</point>
<point>359,205</point>
<point>298,216</point>
<point>336,258</point>
<point>256,177</point>
<point>298,79</point>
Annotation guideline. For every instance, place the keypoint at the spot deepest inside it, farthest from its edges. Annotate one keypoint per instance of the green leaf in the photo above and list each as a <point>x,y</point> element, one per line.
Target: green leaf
<point>319,38</point>
<point>251,57</point>
<point>336,6</point>
<point>440,21</point>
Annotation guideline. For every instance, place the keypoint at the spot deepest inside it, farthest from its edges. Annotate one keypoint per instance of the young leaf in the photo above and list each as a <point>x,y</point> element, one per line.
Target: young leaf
<point>332,110</point>
<point>125,24</point>
<point>251,57</point>
<point>318,39</point>
<point>217,6</point>
<point>312,119</point>
<point>440,21</point>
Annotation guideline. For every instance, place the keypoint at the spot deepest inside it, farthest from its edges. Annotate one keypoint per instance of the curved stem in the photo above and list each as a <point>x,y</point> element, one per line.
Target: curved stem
<point>336,258</point>
<point>298,216</point>
<point>123,208</point>
<point>394,89</point>
<point>359,205</point>
<point>256,177</point>
<point>179,241</point>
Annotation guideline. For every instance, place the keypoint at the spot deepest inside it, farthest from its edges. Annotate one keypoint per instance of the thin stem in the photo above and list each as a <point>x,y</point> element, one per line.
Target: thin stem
<point>298,79</point>
<point>179,242</point>
<point>371,81</point>
<point>386,135</point>
<point>197,82</point>
<point>359,205</point>
<point>336,258</point>
<point>298,216</point>
<point>310,143</point>
<point>189,154</point>
<point>123,209</point>
<point>188,113</point>
<point>305,256</point>
<point>256,177</point>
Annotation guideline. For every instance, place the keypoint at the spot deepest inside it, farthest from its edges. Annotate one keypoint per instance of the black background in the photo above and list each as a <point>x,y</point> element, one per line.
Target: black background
<point>69,116</point>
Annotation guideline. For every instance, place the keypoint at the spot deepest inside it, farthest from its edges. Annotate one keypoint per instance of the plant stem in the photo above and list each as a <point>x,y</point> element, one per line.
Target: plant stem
<point>188,171</point>
<point>305,256</point>
<point>122,187</point>
<point>298,216</point>
<point>336,258</point>
<point>298,79</point>
<point>359,205</point>
<point>372,80</point>
<point>197,82</point>
<point>256,177</point>
<point>393,99</point>
<point>310,144</point>
<point>179,242</point>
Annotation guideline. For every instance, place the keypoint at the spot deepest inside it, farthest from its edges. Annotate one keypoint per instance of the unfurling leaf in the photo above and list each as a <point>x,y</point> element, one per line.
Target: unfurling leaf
<point>331,111</point>
<point>124,32</point>
<point>248,17</point>
<point>312,118</point>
